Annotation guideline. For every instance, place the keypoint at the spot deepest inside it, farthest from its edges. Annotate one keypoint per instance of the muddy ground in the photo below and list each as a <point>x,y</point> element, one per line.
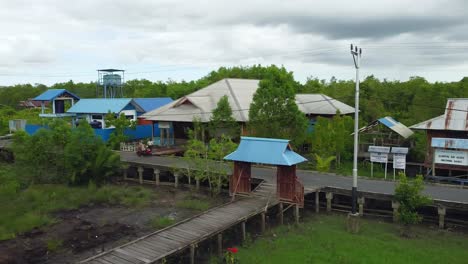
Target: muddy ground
<point>89,230</point>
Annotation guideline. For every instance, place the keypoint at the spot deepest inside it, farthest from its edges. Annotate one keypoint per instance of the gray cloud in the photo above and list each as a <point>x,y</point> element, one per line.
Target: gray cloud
<point>304,34</point>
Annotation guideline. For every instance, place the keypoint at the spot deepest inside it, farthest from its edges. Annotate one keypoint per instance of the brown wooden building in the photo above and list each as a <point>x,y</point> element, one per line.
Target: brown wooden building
<point>447,139</point>
<point>276,152</point>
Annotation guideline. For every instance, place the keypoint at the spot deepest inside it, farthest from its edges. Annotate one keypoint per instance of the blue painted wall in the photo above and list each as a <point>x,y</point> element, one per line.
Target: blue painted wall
<point>141,131</point>
<point>32,129</point>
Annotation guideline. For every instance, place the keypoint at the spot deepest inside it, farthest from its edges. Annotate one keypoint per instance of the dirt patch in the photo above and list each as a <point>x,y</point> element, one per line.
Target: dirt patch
<point>90,230</point>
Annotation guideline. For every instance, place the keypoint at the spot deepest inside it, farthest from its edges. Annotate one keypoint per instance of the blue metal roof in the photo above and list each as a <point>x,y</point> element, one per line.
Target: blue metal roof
<point>150,104</point>
<point>51,94</point>
<point>452,143</point>
<point>103,106</point>
<point>396,126</point>
<point>266,151</point>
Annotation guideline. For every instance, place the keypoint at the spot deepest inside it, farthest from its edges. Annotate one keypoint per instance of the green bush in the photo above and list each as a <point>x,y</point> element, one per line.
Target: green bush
<point>161,222</point>
<point>54,244</point>
<point>408,194</point>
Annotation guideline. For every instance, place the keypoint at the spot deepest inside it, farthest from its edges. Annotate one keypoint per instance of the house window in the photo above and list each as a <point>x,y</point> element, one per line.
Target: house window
<point>129,117</point>
<point>94,117</point>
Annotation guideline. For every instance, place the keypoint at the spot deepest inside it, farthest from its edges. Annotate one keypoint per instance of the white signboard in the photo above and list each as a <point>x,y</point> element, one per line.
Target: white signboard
<point>378,157</point>
<point>399,161</point>
<point>452,157</point>
<point>379,149</point>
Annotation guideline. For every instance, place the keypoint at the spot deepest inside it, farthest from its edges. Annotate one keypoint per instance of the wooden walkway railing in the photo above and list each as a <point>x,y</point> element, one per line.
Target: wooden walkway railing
<point>163,243</point>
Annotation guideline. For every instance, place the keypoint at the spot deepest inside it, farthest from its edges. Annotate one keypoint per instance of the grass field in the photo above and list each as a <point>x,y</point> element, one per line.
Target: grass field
<point>323,239</point>
<point>32,207</point>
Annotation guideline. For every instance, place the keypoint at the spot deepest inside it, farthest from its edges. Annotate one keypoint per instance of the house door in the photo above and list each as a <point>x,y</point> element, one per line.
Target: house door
<point>286,182</point>
<point>240,179</point>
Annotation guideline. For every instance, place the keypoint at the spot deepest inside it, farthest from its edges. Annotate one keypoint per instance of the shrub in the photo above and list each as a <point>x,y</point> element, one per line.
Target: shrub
<point>162,222</point>
<point>408,194</point>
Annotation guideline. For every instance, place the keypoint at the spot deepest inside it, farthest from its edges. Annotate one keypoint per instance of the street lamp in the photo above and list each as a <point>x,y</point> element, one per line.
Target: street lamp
<point>356,53</point>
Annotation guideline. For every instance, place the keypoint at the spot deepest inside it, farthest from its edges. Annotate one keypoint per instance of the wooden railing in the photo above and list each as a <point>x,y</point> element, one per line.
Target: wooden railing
<point>299,193</point>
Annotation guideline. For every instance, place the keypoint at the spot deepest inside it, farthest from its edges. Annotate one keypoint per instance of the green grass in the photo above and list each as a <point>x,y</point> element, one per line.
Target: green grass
<point>323,239</point>
<point>32,207</point>
<point>161,222</point>
<point>193,204</point>
<point>54,244</point>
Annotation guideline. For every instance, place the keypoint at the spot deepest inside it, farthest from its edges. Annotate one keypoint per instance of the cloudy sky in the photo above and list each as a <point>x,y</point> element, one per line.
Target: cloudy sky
<point>48,41</point>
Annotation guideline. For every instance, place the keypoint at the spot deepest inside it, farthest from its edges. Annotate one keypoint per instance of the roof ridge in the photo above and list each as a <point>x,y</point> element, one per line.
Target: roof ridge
<point>329,101</point>
<point>241,113</point>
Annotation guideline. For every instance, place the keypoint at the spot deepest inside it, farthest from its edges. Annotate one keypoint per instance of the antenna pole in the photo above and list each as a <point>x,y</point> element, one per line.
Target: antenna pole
<point>356,53</point>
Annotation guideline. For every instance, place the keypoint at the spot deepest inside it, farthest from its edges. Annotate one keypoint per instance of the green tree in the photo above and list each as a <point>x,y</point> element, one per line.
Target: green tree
<point>408,194</point>
<point>39,158</point>
<point>222,122</point>
<point>219,169</point>
<point>88,158</point>
<point>120,124</point>
<point>196,156</point>
<point>274,112</point>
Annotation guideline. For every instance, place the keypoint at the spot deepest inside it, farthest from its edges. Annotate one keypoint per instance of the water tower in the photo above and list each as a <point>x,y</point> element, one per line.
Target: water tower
<point>110,83</point>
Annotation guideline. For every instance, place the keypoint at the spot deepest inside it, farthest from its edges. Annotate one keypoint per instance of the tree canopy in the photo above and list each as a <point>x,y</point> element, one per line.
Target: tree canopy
<point>274,112</point>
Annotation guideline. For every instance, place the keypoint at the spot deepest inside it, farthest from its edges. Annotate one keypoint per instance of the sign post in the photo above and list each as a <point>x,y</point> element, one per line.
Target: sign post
<point>399,159</point>
<point>380,155</point>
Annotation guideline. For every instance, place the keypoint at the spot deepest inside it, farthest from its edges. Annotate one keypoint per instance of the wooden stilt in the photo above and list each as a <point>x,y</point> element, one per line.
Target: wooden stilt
<point>140,174</point>
<point>156,176</point>
<point>176,182</point>
<point>280,213</point>
<point>262,224</point>
<point>244,234</point>
<point>192,254</point>
<point>317,201</point>
<point>220,244</point>
<point>296,213</point>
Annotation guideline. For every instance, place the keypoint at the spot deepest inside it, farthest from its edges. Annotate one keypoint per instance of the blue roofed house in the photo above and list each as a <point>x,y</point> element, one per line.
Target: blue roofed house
<point>60,99</point>
<point>94,110</point>
<point>277,152</point>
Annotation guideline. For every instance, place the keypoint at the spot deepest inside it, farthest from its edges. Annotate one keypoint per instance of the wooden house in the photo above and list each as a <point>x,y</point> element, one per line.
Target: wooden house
<point>447,139</point>
<point>276,152</point>
<point>385,132</point>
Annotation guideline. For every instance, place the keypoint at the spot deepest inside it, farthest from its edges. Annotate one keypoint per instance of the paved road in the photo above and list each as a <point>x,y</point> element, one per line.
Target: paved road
<point>312,179</point>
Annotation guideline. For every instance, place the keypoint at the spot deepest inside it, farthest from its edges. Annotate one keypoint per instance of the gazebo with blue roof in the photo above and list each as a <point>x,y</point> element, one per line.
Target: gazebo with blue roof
<point>267,151</point>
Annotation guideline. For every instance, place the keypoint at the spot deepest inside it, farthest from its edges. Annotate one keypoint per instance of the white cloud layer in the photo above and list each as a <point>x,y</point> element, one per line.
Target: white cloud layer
<point>45,41</point>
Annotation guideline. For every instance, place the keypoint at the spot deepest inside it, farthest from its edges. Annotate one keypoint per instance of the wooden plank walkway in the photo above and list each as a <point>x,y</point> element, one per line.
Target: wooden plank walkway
<point>165,242</point>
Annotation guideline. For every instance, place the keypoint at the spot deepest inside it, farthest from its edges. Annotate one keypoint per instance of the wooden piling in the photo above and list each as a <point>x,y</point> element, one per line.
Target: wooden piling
<point>220,244</point>
<point>262,223</point>
<point>317,201</point>
<point>140,174</point>
<point>296,213</point>
<point>244,234</point>
<point>156,176</point>
<point>192,254</point>
<point>280,213</point>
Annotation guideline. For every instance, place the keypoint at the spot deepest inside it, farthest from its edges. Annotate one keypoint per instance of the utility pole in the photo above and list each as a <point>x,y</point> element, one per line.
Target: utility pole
<point>356,53</point>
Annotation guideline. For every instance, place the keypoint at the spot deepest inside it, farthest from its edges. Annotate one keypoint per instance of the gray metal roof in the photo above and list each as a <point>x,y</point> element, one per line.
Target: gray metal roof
<point>455,117</point>
<point>320,104</point>
<point>240,94</point>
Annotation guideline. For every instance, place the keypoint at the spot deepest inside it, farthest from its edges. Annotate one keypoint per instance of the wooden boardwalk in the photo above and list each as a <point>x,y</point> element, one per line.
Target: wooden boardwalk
<point>163,243</point>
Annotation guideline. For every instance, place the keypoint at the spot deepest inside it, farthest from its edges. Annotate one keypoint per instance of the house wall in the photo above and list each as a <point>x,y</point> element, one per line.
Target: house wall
<point>430,149</point>
<point>141,132</point>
